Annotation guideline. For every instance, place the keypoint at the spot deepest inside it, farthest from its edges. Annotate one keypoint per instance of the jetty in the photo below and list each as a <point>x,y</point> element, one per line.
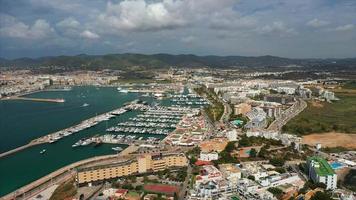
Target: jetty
<point>35,99</point>
<point>32,143</point>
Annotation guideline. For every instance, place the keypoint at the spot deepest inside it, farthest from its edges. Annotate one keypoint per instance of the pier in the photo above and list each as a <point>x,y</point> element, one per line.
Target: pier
<point>32,143</point>
<point>36,99</point>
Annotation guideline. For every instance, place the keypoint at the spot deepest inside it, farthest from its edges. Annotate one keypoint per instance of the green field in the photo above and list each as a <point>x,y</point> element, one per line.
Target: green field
<point>339,116</point>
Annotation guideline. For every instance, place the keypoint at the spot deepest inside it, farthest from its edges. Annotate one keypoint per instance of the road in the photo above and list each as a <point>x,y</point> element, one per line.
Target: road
<point>287,115</point>
<point>227,112</point>
<point>185,184</point>
<point>296,169</point>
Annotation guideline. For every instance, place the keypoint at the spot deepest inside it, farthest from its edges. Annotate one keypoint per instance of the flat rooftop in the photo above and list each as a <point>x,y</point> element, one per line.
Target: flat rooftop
<point>324,168</point>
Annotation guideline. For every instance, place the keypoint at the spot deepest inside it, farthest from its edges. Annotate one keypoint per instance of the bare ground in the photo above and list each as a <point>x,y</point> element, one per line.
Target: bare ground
<point>317,104</point>
<point>331,139</point>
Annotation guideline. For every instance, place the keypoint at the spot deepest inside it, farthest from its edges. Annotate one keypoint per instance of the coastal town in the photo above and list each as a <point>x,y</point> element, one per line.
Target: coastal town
<point>221,139</point>
<point>177,100</point>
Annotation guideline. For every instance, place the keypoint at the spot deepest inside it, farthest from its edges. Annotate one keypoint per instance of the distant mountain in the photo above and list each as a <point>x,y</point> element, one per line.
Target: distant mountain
<point>128,60</point>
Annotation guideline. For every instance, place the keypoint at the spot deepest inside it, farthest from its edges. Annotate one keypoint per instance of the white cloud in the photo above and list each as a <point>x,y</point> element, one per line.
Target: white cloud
<point>316,23</point>
<point>64,5</point>
<point>13,28</point>
<point>69,22</point>
<point>346,27</point>
<point>69,27</point>
<point>89,35</point>
<point>137,15</point>
<point>229,19</point>
<point>277,27</point>
<point>230,27</point>
<point>188,39</point>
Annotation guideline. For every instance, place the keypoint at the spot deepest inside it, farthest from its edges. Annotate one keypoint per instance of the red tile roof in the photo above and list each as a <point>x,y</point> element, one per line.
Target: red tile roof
<point>201,163</point>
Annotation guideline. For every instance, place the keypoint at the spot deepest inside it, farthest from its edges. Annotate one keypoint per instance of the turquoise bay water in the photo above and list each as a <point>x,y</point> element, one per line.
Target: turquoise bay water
<point>22,121</point>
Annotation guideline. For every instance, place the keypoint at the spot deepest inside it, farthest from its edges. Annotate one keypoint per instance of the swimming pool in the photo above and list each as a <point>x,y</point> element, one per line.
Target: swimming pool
<point>336,165</point>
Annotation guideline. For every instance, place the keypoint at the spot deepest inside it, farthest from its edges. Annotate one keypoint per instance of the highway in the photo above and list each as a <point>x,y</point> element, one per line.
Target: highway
<point>287,115</point>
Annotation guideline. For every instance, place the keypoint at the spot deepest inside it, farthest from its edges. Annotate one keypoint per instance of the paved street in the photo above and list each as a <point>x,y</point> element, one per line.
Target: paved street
<point>185,184</point>
<point>288,114</point>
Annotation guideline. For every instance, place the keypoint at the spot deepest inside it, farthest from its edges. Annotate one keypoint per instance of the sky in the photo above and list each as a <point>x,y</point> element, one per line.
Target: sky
<point>286,28</point>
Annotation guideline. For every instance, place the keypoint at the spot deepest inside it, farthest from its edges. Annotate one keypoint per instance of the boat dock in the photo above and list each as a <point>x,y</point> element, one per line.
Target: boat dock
<point>116,139</point>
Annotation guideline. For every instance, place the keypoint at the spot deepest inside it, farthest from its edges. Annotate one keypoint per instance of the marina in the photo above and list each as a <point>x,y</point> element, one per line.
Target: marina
<point>188,99</point>
<point>91,136</point>
<point>51,138</point>
<point>158,120</point>
<point>115,139</point>
<point>38,119</point>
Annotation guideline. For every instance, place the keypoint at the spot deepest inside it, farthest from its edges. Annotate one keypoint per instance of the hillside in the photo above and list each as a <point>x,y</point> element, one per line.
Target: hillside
<point>125,61</point>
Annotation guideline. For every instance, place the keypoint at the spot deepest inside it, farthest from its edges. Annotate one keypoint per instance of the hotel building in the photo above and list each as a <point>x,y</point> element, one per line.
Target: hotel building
<point>142,164</point>
<point>321,172</point>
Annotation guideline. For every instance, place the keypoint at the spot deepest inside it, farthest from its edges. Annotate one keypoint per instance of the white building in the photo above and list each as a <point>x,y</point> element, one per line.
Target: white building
<point>208,173</point>
<point>231,135</point>
<point>208,156</point>
<point>321,172</point>
<point>230,172</point>
<point>257,118</point>
<point>286,90</point>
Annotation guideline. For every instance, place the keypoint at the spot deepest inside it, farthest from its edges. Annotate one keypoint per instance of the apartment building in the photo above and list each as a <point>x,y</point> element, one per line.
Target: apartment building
<point>141,164</point>
<point>321,172</point>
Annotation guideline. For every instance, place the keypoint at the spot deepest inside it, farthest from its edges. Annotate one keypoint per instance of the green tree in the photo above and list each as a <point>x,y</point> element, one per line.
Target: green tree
<point>278,162</point>
<point>263,152</point>
<point>230,147</point>
<point>244,142</point>
<point>276,192</point>
<point>321,196</point>
<point>253,153</point>
<point>251,177</point>
<point>138,187</point>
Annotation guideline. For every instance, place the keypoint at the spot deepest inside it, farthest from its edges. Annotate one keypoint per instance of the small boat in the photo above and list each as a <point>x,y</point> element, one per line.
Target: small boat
<point>124,91</point>
<point>117,148</point>
<point>85,105</point>
<point>43,151</point>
